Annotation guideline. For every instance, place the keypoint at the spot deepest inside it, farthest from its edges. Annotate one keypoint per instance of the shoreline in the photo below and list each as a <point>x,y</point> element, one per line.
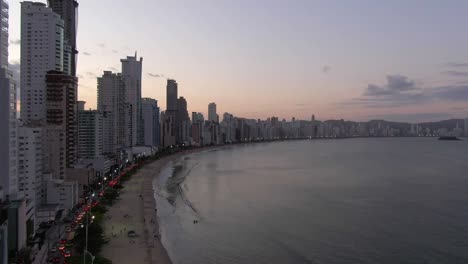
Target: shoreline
<point>132,212</point>
<point>136,211</point>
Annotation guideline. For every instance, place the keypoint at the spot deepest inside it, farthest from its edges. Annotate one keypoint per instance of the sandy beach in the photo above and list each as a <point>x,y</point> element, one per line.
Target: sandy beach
<point>133,212</point>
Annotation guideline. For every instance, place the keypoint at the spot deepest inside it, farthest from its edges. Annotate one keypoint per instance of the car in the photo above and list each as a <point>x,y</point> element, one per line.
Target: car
<point>67,253</point>
<point>53,249</point>
<point>61,247</point>
<point>69,229</point>
<point>54,260</point>
<point>63,241</point>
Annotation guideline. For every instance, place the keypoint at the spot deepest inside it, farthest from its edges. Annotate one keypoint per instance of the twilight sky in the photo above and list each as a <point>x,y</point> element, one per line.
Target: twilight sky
<point>404,60</point>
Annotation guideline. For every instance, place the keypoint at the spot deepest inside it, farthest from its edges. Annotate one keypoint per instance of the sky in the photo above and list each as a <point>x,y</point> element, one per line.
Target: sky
<point>400,60</point>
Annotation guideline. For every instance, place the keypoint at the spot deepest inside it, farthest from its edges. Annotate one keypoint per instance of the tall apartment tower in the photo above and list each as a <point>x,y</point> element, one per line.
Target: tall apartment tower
<point>212,115</point>
<point>61,110</point>
<point>8,137</point>
<point>42,50</point>
<point>4,34</point>
<point>68,11</point>
<point>89,134</point>
<point>171,95</point>
<point>131,75</point>
<point>111,104</point>
<point>151,122</point>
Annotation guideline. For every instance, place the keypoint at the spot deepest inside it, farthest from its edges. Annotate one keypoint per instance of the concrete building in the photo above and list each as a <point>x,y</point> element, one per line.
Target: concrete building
<point>80,105</point>
<point>151,121</point>
<point>61,101</point>
<point>42,50</point>
<point>111,104</point>
<point>8,143</point>
<point>171,95</point>
<point>64,193</point>
<point>68,11</point>
<point>3,231</point>
<point>183,121</point>
<point>4,34</point>
<point>89,134</point>
<point>212,115</point>
<point>131,76</point>
<point>168,135</point>
<point>30,164</point>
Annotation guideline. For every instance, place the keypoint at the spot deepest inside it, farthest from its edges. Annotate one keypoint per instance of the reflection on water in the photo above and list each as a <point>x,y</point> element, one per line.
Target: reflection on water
<point>345,201</point>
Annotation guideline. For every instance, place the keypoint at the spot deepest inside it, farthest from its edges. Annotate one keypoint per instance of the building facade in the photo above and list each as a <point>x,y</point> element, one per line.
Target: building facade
<point>89,134</point>
<point>212,115</point>
<point>131,76</point>
<point>151,122</point>
<point>42,50</point>
<point>68,11</point>
<point>111,104</point>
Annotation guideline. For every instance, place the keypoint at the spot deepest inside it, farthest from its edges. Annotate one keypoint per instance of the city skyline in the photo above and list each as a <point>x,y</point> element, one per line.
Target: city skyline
<point>312,63</point>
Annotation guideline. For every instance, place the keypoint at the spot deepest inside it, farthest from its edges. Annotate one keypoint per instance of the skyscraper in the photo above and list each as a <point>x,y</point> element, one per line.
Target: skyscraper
<point>8,143</point>
<point>42,49</point>
<point>183,121</point>
<point>3,34</point>
<point>171,93</point>
<point>89,134</point>
<point>151,121</point>
<point>61,110</point>
<point>131,75</point>
<point>111,104</point>
<point>212,115</point>
<point>68,11</point>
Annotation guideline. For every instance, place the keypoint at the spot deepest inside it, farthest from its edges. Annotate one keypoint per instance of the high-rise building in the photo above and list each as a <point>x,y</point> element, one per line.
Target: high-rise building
<point>42,50</point>
<point>89,134</point>
<point>68,11</point>
<point>131,75</point>
<point>212,115</point>
<point>111,104</point>
<point>151,121</point>
<point>61,109</point>
<point>8,142</point>
<point>8,137</point>
<point>171,93</point>
<point>183,121</point>
<point>3,34</point>
<point>30,163</point>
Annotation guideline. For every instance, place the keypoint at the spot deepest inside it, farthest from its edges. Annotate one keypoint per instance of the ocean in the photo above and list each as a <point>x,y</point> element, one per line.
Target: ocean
<point>363,200</point>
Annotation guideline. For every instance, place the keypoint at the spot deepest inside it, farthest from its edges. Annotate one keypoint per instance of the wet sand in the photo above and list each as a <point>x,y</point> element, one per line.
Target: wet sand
<point>133,212</point>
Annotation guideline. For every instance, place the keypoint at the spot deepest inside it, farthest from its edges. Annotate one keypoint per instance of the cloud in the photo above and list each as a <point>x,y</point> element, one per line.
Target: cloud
<point>86,53</point>
<point>91,74</point>
<point>396,84</point>
<point>102,45</point>
<point>80,76</point>
<point>115,51</point>
<point>413,117</point>
<point>401,91</point>
<point>15,42</point>
<point>457,64</point>
<point>155,75</point>
<point>457,73</point>
<point>326,69</point>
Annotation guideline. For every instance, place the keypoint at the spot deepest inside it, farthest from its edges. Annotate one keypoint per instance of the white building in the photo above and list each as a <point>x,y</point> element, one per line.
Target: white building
<point>212,115</point>
<point>30,164</point>
<point>89,134</point>
<point>111,103</point>
<point>150,111</point>
<point>131,75</point>
<point>42,50</point>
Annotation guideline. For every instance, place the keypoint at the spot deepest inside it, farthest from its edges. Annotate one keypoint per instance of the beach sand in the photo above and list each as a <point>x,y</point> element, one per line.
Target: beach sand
<point>135,213</point>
